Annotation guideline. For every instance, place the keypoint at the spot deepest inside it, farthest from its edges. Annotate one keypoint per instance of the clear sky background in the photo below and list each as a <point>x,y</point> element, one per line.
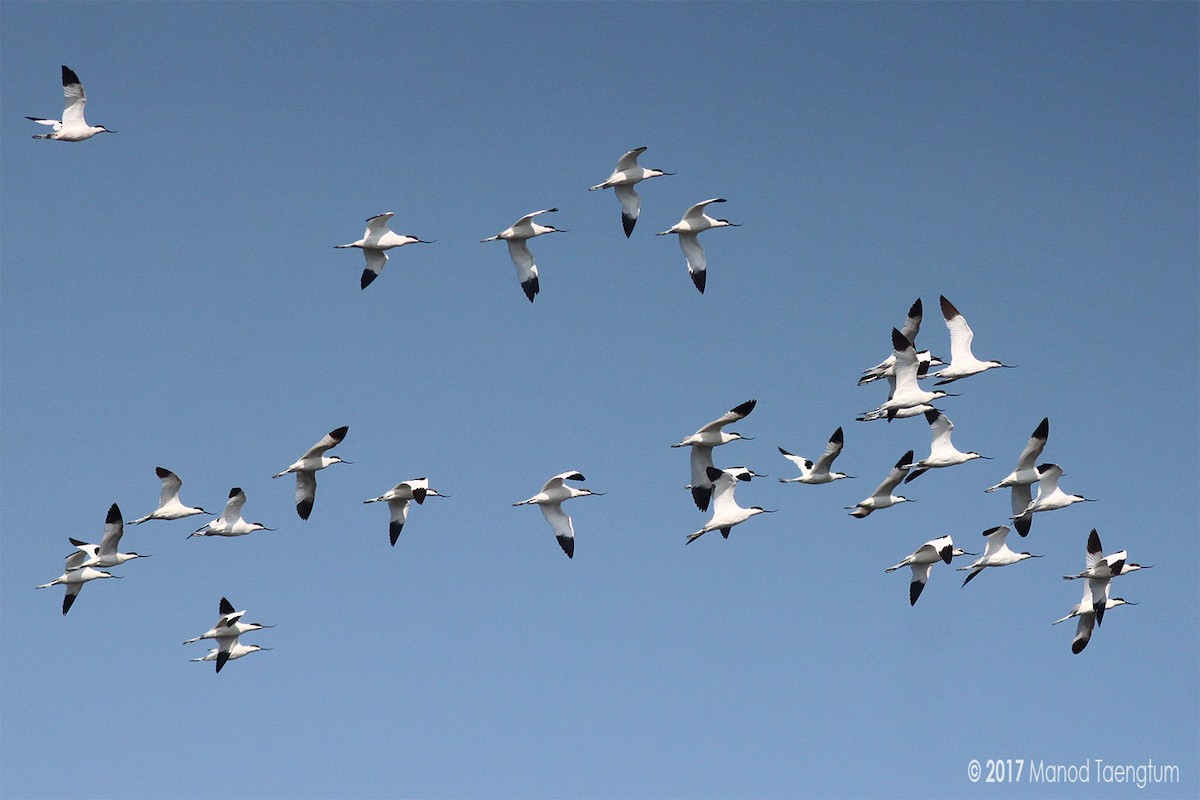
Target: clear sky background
<point>171,296</point>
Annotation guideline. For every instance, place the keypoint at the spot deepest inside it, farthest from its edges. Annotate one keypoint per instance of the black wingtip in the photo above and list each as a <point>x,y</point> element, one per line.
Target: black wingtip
<point>68,76</point>
<point>915,310</point>
<point>1023,524</point>
<point>914,591</point>
<point>899,341</point>
<point>367,277</point>
<point>114,515</point>
<point>947,553</point>
<point>713,473</point>
<point>531,288</point>
<point>701,496</point>
<point>221,659</point>
<point>1078,645</point>
<point>1042,431</point>
<point>340,433</point>
<point>905,460</point>
<point>567,543</point>
<point>419,495</point>
<point>394,531</point>
<point>304,508</point>
<point>948,309</point>
<point>725,533</point>
<point>1093,543</point>
<point>68,601</point>
<point>700,278</point>
<point>234,492</point>
<point>837,437</point>
<point>914,474</point>
<point>162,472</point>
<point>744,408</point>
<point>628,222</point>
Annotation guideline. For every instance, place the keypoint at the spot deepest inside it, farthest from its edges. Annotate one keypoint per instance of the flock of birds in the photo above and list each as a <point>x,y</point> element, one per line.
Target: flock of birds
<point>710,485</point>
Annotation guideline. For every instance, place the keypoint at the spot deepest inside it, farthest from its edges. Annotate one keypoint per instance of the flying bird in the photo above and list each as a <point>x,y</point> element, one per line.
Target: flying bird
<point>397,499</point>
<point>105,554</point>
<point>1025,472</point>
<point>229,649</point>
<point>169,505</point>
<point>75,575</point>
<point>922,561</point>
<point>726,511</point>
<point>996,554</point>
<point>818,472</point>
<point>694,222</point>
<point>550,500</point>
<point>627,173</point>
<point>942,452</point>
<point>376,240</point>
<point>72,127</point>
<point>906,392</point>
<point>74,578</point>
<point>1049,496</point>
<point>307,465</point>
<point>230,523</point>
<point>882,497</point>
<point>703,441</point>
<point>899,413</point>
<point>228,625</point>
<point>910,328</point>
<point>1099,569</point>
<point>963,362</point>
<point>1087,612</point>
<point>521,231</point>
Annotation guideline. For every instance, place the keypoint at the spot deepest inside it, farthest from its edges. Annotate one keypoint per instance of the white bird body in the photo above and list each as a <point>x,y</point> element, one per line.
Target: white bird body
<point>229,649</point>
<point>726,512</point>
<point>922,560</point>
<point>230,523</point>
<point>169,505</point>
<point>818,472</point>
<point>307,466</point>
<point>398,498</point>
<point>942,452</point>
<point>1025,472</point>
<point>702,442</point>
<point>627,173</point>
<point>377,239</point>
<point>73,579</point>
<point>882,497</point>
<point>521,231</point>
<point>72,127</point>
<point>996,554</point>
<point>104,554</point>
<point>906,392</point>
<point>1049,496</point>
<point>229,625</point>
<point>550,500</point>
<point>695,222</point>
<point>963,362</point>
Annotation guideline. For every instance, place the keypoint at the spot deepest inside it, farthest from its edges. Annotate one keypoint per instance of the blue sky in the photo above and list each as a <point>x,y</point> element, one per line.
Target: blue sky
<point>171,296</point>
